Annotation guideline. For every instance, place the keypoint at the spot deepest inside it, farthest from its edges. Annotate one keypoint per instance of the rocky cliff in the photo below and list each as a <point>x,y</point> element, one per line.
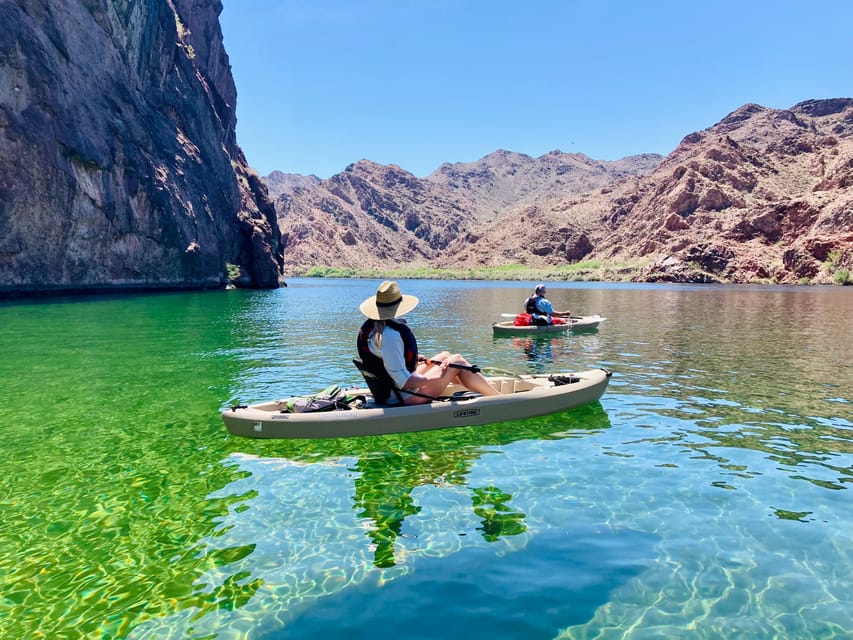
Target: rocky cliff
<point>380,217</point>
<point>765,195</point>
<point>119,166</point>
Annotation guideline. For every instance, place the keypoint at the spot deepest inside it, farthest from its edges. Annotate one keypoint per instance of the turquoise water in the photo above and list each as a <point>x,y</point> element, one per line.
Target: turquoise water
<point>705,496</point>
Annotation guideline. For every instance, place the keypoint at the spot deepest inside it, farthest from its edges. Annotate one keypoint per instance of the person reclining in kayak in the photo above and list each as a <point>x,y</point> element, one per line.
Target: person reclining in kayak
<point>540,308</point>
<point>387,345</point>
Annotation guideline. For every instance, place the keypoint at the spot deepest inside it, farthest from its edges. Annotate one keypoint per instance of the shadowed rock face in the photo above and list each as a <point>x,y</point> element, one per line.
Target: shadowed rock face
<point>119,166</point>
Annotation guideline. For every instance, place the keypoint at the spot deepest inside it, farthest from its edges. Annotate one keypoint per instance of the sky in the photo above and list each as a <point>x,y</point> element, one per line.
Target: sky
<point>417,83</point>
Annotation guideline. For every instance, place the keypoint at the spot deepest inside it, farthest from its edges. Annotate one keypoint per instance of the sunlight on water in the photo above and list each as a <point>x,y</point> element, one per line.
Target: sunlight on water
<point>705,496</point>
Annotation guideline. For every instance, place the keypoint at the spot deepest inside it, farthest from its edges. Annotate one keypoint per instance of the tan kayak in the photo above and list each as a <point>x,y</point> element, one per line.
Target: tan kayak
<point>522,397</point>
<point>579,323</point>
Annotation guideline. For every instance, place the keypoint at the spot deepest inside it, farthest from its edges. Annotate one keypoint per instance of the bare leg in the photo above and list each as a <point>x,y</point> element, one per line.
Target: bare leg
<point>473,381</point>
<point>438,379</point>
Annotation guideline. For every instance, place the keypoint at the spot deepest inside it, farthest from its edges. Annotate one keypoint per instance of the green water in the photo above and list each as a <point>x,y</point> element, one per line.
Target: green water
<point>704,497</point>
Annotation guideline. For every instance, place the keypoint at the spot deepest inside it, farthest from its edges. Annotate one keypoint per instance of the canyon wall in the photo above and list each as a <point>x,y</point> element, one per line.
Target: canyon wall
<point>119,166</point>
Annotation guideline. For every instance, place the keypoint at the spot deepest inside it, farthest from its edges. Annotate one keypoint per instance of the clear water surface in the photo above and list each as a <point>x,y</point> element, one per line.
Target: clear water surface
<point>705,496</point>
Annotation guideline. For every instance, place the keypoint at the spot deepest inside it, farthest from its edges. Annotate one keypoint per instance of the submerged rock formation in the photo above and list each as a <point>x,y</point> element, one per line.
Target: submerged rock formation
<point>119,166</point>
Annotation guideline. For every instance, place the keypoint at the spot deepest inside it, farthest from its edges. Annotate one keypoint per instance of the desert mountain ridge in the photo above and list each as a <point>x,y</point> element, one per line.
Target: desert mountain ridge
<point>385,215</point>
<point>764,195</point>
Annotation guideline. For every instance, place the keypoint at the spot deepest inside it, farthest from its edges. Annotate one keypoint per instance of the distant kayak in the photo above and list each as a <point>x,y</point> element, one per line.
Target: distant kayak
<point>574,324</point>
<point>522,397</point>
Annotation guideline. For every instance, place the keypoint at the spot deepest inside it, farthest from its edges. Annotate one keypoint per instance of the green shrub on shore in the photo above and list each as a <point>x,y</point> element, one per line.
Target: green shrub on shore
<point>330,272</point>
<point>832,264</point>
<point>232,271</point>
<point>842,276</point>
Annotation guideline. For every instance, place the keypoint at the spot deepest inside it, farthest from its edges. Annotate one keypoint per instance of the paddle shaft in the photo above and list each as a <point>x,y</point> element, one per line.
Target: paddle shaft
<point>467,367</point>
<point>512,315</point>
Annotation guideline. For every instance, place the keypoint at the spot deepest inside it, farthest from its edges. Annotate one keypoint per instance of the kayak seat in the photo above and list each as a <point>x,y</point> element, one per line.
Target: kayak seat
<point>381,389</point>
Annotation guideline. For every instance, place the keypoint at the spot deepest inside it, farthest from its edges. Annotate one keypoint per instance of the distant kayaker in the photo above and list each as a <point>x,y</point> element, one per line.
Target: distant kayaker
<point>388,349</point>
<point>540,308</point>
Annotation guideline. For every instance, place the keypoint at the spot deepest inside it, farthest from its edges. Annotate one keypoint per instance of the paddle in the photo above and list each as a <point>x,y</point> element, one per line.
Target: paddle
<point>512,315</point>
<point>467,367</point>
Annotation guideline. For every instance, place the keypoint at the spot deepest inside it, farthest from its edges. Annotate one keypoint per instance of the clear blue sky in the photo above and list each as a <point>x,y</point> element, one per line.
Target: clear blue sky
<point>324,83</point>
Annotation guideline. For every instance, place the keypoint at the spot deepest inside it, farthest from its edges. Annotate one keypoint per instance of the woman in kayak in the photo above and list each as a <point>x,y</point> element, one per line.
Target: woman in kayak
<point>540,308</point>
<point>388,349</point>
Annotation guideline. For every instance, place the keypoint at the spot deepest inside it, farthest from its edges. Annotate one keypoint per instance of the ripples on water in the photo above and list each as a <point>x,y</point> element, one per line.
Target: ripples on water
<point>706,495</point>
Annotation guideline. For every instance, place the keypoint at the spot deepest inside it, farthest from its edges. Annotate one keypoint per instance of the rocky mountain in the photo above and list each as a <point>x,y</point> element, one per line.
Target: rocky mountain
<point>765,195</point>
<point>377,216</point>
<point>119,166</point>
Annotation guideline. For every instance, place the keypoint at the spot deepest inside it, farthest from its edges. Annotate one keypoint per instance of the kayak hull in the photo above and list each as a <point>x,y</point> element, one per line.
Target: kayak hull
<point>522,397</point>
<point>583,323</point>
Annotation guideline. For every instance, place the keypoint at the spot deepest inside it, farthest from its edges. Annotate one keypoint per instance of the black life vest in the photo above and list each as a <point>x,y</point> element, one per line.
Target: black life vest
<point>376,366</point>
<point>530,305</point>
<point>533,310</point>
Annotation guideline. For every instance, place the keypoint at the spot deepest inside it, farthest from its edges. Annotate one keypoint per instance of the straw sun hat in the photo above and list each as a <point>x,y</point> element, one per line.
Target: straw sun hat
<point>388,302</point>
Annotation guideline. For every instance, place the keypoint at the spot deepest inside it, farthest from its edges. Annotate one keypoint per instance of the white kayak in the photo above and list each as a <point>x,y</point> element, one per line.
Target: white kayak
<point>521,397</point>
<point>574,324</point>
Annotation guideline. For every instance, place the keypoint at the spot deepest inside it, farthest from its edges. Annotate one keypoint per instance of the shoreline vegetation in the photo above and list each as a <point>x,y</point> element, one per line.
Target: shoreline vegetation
<point>587,271</point>
<point>592,271</point>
